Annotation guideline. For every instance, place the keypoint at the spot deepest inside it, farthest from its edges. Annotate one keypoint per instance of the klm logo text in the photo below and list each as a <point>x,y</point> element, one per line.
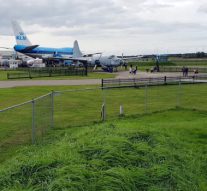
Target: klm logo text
<point>21,37</point>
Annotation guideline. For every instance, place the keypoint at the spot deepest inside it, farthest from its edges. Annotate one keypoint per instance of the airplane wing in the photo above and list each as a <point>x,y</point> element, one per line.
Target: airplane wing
<point>28,48</point>
<point>130,58</point>
<point>90,55</point>
<point>6,48</point>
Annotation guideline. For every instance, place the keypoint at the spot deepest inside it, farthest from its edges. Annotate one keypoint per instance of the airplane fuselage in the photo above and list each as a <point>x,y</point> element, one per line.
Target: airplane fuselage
<point>107,61</point>
<point>44,52</point>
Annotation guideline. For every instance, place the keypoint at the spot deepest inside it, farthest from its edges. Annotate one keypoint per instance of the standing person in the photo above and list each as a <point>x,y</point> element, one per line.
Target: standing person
<point>183,70</point>
<point>186,72</point>
<point>135,71</point>
<point>125,66</point>
<point>130,69</point>
<point>195,71</point>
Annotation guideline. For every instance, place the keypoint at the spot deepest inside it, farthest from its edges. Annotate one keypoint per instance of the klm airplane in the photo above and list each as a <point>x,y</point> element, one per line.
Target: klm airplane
<point>24,46</point>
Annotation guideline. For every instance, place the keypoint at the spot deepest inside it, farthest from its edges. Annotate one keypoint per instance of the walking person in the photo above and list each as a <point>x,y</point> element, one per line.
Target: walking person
<point>135,70</point>
<point>130,69</point>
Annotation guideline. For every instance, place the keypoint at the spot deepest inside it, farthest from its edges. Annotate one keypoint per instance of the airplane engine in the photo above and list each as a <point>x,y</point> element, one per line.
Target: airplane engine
<point>97,62</point>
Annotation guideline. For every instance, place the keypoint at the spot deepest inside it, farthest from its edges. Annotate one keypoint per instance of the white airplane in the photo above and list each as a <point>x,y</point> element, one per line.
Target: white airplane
<point>107,63</point>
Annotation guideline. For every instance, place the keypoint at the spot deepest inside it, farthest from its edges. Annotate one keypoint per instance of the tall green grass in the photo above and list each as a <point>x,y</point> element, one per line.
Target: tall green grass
<point>159,151</point>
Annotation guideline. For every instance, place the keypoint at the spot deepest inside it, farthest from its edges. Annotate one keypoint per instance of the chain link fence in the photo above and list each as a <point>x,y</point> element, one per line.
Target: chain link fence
<point>15,126</point>
<point>30,121</point>
<point>25,123</point>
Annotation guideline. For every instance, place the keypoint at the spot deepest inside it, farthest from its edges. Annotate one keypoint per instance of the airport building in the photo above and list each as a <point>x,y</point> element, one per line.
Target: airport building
<point>8,60</point>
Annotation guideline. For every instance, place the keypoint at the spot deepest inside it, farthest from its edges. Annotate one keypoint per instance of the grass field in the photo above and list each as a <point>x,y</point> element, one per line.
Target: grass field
<point>143,65</point>
<point>80,108</point>
<point>160,151</point>
<point>189,62</point>
<point>16,95</point>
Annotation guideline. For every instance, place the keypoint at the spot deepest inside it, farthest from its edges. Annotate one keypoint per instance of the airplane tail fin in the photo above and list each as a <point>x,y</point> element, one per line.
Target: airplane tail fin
<point>76,50</point>
<point>20,36</point>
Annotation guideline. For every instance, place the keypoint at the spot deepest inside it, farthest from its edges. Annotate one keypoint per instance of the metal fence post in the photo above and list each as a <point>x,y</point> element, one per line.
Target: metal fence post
<point>103,114</point>
<point>179,95</point>
<point>121,110</point>
<point>52,109</point>
<point>103,109</point>
<point>146,98</point>
<point>102,83</point>
<point>33,122</point>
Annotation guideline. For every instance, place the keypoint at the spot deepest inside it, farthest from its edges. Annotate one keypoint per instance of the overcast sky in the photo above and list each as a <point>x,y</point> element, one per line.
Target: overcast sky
<point>112,26</point>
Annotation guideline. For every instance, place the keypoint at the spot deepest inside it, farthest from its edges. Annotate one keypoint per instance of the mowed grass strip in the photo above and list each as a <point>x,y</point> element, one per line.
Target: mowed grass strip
<point>16,95</point>
<point>160,151</point>
<point>80,108</point>
<point>91,75</point>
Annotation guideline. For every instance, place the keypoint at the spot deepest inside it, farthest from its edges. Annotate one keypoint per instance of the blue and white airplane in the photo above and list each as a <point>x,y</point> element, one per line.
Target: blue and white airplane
<point>24,46</point>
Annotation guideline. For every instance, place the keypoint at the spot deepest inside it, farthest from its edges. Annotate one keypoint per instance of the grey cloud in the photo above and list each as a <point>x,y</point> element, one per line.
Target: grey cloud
<point>55,13</point>
<point>94,14</point>
<point>108,19</point>
<point>156,5</point>
<point>202,8</point>
<point>58,13</point>
<point>129,26</point>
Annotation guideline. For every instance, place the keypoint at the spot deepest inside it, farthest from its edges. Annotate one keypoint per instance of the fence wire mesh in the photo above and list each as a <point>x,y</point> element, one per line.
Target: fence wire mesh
<point>42,116</point>
<point>193,96</point>
<point>77,107</point>
<point>133,101</point>
<point>15,127</point>
<point>24,123</point>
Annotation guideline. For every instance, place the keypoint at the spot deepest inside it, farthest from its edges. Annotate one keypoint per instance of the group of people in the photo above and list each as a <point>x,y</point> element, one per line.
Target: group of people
<point>185,71</point>
<point>132,71</point>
